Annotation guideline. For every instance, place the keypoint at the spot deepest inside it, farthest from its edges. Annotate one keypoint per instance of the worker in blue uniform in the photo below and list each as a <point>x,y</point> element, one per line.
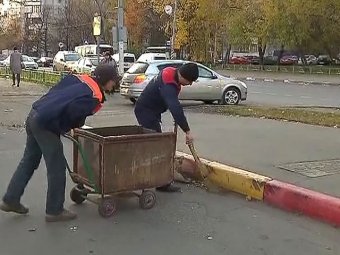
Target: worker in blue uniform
<point>62,109</point>
<point>160,95</point>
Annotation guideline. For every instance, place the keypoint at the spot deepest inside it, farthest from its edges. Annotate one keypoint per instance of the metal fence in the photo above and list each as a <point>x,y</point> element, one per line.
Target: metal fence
<point>325,70</point>
<point>37,76</point>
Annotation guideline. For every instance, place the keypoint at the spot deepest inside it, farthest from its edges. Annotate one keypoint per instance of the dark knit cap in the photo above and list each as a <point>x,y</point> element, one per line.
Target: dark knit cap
<point>189,71</point>
<point>104,73</point>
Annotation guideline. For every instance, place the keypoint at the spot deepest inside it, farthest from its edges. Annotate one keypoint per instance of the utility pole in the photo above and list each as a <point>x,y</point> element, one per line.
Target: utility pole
<point>173,38</point>
<point>120,28</point>
<point>97,32</point>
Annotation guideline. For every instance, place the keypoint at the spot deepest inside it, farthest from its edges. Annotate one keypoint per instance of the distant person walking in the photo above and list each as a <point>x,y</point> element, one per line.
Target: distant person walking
<point>108,60</point>
<point>15,65</point>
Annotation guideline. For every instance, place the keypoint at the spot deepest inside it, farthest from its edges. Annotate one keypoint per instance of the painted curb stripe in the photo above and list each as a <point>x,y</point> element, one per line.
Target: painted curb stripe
<point>234,179</point>
<point>296,199</point>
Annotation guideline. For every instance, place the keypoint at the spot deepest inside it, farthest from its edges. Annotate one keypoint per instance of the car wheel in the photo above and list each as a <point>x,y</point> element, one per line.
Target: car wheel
<point>133,100</point>
<point>231,96</point>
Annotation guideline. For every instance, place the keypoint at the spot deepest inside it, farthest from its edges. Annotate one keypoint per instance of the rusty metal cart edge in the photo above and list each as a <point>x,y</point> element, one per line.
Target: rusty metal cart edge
<point>103,183</point>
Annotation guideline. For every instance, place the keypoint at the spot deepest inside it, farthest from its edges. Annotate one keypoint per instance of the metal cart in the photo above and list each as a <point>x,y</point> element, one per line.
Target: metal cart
<point>115,161</point>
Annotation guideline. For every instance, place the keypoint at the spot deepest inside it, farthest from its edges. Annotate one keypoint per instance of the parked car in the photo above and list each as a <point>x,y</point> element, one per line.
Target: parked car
<point>129,60</point>
<point>254,60</point>
<point>239,60</point>
<point>27,62</point>
<point>289,60</point>
<point>45,62</point>
<point>310,60</point>
<point>85,65</point>
<point>270,60</point>
<point>35,59</point>
<point>324,60</point>
<point>2,59</point>
<point>149,57</point>
<point>64,60</point>
<point>209,87</point>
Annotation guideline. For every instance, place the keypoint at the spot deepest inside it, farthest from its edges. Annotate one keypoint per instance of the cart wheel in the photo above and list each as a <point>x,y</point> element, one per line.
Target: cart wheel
<point>147,200</point>
<point>107,207</point>
<point>77,196</point>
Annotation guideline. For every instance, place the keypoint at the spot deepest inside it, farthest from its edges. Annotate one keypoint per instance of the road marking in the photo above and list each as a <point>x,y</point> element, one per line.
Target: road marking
<point>288,95</point>
<point>305,97</point>
<point>271,94</point>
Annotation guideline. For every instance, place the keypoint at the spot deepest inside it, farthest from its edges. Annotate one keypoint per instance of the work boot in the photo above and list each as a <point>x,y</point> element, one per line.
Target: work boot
<point>169,188</point>
<point>19,209</point>
<point>64,216</point>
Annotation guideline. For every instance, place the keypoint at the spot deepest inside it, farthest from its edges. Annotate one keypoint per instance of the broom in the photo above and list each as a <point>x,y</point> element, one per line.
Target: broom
<point>203,169</point>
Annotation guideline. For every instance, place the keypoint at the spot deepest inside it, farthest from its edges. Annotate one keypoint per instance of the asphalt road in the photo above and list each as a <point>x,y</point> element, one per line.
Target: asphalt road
<point>289,94</point>
<point>283,94</point>
<point>194,222</point>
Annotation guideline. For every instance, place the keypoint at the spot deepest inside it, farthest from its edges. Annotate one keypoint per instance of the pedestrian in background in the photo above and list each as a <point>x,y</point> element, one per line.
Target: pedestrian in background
<point>109,60</point>
<point>15,63</point>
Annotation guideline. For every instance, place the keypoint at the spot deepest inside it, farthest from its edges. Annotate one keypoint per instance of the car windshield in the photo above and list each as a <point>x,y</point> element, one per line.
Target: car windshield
<point>175,65</point>
<point>72,57</point>
<point>160,58</point>
<point>129,59</point>
<point>138,68</point>
<point>27,59</point>
<point>94,61</point>
<point>154,69</point>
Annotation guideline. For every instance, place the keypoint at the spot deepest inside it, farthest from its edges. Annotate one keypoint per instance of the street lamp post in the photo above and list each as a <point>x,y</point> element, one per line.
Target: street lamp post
<point>169,10</point>
<point>97,31</point>
<point>173,39</point>
<point>120,26</point>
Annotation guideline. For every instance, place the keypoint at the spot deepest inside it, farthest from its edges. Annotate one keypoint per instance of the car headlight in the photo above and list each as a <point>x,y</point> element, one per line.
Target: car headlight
<point>243,84</point>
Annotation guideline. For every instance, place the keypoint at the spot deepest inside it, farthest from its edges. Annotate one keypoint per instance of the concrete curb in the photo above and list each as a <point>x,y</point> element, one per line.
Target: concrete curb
<point>296,199</point>
<point>287,81</point>
<point>279,194</point>
<point>234,179</point>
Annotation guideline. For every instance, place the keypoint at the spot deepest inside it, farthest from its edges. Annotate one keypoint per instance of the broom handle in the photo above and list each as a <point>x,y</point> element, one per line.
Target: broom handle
<point>194,153</point>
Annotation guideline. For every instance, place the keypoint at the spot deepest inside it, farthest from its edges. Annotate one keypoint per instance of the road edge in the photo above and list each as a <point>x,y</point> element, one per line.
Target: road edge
<point>287,81</point>
<point>276,193</point>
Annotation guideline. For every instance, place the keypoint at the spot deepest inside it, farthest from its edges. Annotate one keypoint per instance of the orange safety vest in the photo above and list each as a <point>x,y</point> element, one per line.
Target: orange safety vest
<point>97,93</point>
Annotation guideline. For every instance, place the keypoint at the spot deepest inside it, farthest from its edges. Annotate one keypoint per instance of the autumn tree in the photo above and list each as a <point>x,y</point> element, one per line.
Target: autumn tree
<point>10,33</point>
<point>310,26</point>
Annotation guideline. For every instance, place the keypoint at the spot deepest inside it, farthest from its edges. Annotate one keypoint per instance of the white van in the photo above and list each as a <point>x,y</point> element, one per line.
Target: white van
<point>89,50</point>
<point>129,60</point>
<point>148,57</point>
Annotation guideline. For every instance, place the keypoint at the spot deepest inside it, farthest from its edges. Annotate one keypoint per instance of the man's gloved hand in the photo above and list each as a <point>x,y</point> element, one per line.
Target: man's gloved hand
<point>188,138</point>
<point>70,133</point>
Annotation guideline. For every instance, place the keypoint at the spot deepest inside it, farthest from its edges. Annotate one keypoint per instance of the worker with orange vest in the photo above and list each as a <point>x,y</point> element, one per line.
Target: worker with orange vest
<point>62,109</point>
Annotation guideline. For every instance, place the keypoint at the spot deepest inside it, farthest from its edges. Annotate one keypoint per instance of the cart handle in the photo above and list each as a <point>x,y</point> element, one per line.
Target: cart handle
<point>88,169</point>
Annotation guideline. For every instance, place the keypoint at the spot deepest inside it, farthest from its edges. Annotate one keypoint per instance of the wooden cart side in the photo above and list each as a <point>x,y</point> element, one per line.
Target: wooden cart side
<point>75,156</point>
<point>101,169</point>
<point>138,164</point>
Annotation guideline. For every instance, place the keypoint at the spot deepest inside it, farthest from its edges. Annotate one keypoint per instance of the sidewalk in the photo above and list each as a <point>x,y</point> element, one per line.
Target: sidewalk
<point>264,146</point>
<point>321,79</point>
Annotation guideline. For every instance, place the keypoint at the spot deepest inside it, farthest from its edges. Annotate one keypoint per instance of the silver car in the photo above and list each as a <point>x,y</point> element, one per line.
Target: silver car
<point>27,62</point>
<point>85,65</point>
<point>209,87</point>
